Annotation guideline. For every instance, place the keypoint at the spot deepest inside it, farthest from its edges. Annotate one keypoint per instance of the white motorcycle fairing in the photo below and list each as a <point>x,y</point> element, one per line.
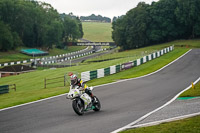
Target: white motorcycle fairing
<point>73,93</point>
<point>86,98</point>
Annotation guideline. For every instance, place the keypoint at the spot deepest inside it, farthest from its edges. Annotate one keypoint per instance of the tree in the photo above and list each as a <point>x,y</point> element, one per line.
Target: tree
<point>71,30</point>
<point>36,24</point>
<point>163,25</point>
<point>93,17</point>
<point>130,31</point>
<point>162,21</point>
<point>187,13</point>
<point>138,22</point>
<point>119,32</point>
<point>6,38</point>
<point>54,34</point>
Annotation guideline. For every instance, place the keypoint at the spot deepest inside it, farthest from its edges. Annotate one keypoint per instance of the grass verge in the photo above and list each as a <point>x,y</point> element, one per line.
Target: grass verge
<point>30,86</point>
<point>190,125</point>
<point>192,92</point>
<point>144,69</point>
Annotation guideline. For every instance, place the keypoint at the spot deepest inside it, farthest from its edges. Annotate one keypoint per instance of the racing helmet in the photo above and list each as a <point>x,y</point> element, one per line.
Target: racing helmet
<point>73,79</point>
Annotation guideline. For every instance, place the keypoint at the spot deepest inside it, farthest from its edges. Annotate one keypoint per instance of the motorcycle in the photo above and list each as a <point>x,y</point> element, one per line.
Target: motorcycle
<point>81,101</point>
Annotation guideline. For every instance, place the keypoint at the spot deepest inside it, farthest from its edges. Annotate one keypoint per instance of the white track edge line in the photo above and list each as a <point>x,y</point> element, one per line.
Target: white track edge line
<point>97,85</point>
<point>148,114</point>
<point>165,120</point>
<point>32,102</point>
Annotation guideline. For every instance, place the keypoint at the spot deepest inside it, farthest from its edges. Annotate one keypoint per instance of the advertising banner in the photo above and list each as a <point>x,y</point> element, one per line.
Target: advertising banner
<point>127,65</point>
<point>91,44</point>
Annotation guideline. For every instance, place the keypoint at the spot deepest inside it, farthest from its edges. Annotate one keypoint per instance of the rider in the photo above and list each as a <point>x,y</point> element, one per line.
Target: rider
<point>75,81</point>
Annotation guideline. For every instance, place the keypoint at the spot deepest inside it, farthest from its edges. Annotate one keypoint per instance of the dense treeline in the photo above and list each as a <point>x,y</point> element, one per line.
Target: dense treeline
<point>115,18</point>
<point>162,21</point>
<point>35,24</point>
<point>93,17</point>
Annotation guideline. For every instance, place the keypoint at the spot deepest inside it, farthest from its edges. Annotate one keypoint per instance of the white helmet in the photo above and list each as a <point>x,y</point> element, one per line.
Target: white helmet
<point>74,79</point>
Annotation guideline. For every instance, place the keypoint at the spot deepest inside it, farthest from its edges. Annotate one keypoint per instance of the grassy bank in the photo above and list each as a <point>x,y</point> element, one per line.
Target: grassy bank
<point>187,43</point>
<point>30,86</point>
<point>192,92</point>
<point>12,56</point>
<point>144,69</point>
<point>190,125</point>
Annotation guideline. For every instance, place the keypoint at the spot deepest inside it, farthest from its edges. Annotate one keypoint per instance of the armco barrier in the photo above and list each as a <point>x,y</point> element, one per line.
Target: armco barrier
<point>63,58</point>
<point>89,75</point>
<point>118,68</point>
<point>99,73</point>
<point>93,74</point>
<point>107,71</point>
<point>53,59</point>
<point>44,62</point>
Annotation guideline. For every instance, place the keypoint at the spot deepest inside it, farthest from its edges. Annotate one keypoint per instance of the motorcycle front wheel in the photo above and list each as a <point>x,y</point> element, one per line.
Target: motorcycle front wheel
<point>78,106</point>
<point>97,104</point>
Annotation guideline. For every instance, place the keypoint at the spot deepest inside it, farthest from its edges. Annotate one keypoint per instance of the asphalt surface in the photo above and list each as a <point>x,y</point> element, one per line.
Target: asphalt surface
<point>122,103</point>
<point>82,59</point>
<point>176,109</point>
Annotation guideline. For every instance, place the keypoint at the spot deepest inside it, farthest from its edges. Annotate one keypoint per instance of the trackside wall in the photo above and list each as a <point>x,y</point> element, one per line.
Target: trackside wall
<point>99,73</point>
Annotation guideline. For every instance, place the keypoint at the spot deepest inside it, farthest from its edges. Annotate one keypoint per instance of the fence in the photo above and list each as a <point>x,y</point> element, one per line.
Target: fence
<point>5,88</point>
<point>49,81</point>
<point>12,86</point>
<point>54,66</point>
<point>62,59</point>
<point>99,73</point>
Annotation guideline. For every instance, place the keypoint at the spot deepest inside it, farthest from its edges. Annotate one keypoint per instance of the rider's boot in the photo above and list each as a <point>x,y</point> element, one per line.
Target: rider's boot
<point>93,100</point>
<point>89,92</point>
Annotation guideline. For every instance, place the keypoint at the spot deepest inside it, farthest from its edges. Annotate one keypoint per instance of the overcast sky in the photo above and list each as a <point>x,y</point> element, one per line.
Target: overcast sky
<point>108,8</point>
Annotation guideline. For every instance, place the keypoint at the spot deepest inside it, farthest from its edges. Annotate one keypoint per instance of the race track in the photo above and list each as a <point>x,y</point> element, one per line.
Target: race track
<point>122,103</point>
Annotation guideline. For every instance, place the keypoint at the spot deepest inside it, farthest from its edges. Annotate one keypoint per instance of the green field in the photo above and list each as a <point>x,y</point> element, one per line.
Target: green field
<point>30,86</point>
<point>12,56</point>
<point>97,32</point>
<point>184,43</point>
<point>190,125</point>
<point>192,92</point>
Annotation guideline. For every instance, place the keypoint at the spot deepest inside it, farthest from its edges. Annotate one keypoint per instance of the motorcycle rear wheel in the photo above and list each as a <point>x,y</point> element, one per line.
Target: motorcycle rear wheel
<point>78,106</point>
